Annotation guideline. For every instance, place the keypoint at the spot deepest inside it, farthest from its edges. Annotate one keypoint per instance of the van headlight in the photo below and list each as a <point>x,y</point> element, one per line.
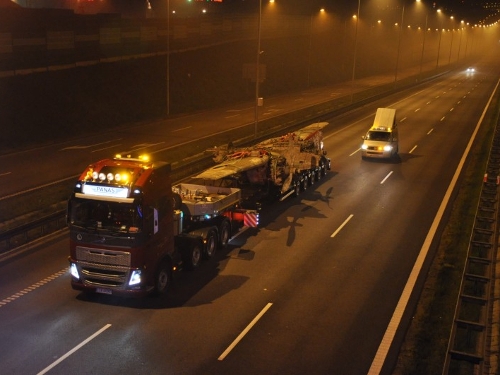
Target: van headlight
<point>387,148</point>
<point>135,278</point>
<point>364,147</point>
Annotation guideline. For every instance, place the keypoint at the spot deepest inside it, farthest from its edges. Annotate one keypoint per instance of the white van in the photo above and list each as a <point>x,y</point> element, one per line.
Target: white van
<point>381,140</point>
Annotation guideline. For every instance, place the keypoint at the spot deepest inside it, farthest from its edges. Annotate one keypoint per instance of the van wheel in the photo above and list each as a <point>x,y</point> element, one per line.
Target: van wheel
<point>211,245</point>
<point>162,278</point>
<point>225,233</point>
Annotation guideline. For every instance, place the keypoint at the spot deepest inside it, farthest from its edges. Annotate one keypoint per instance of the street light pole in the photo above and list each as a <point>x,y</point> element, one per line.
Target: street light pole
<point>439,47</point>
<point>168,58</point>
<point>399,43</point>
<point>451,44</point>
<point>423,45</point>
<point>257,69</point>
<point>439,42</point>
<point>460,40</point>
<point>309,52</point>
<point>355,51</point>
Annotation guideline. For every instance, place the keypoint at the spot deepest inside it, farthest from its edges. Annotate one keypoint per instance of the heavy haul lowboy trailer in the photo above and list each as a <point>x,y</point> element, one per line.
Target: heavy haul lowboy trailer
<point>130,229</point>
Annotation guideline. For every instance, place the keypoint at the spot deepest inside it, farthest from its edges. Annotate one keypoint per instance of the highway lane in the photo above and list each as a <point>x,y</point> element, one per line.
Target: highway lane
<point>372,254</point>
<point>325,301</point>
<point>64,160</point>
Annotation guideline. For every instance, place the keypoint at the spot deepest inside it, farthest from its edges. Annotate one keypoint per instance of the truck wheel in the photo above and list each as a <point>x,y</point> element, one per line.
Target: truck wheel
<point>211,245</point>
<point>162,278</point>
<point>225,233</point>
<point>193,256</point>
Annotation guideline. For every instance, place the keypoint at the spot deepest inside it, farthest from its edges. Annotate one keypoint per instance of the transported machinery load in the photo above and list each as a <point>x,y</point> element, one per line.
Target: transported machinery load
<point>283,165</point>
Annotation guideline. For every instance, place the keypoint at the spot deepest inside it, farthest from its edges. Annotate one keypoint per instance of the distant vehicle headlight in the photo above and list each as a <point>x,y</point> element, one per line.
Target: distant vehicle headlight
<point>470,70</point>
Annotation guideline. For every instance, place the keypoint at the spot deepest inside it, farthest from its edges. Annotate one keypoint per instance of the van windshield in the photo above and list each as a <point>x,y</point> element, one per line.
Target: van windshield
<point>378,136</point>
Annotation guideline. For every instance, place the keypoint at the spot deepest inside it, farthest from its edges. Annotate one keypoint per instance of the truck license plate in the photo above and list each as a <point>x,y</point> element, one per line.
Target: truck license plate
<point>103,291</point>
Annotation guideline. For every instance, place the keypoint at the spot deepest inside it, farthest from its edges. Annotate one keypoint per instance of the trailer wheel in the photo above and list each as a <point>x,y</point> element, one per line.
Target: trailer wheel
<point>211,245</point>
<point>305,183</point>
<point>296,188</point>
<point>225,233</point>
<point>162,278</point>
<point>321,170</point>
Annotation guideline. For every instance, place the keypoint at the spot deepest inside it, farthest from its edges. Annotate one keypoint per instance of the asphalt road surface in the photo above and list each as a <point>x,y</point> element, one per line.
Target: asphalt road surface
<point>312,291</point>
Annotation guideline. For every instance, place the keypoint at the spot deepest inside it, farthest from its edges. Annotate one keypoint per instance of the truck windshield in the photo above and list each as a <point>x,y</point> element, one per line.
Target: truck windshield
<point>378,136</point>
<point>112,216</point>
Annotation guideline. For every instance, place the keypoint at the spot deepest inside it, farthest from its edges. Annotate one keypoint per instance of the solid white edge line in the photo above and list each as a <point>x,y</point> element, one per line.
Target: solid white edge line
<point>386,342</point>
<point>244,332</point>
<point>386,177</point>
<point>342,226</point>
<point>46,369</point>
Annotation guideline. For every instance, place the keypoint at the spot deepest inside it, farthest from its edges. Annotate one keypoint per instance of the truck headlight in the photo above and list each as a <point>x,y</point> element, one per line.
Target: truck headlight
<point>74,271</point>
<point>135,278</point>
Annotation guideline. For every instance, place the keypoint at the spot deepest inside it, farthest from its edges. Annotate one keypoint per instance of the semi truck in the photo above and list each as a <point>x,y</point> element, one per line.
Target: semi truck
<point>130,229</point>
<point>275,168</point>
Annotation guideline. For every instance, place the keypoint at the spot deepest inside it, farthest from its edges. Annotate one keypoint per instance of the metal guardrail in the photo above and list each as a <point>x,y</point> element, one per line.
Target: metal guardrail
<point>28,232</point>
<point>470,343</point>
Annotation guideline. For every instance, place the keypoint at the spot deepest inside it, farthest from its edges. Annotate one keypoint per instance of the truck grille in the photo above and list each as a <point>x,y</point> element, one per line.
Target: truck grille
<point>106,268</point>
<point>103,257</point>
